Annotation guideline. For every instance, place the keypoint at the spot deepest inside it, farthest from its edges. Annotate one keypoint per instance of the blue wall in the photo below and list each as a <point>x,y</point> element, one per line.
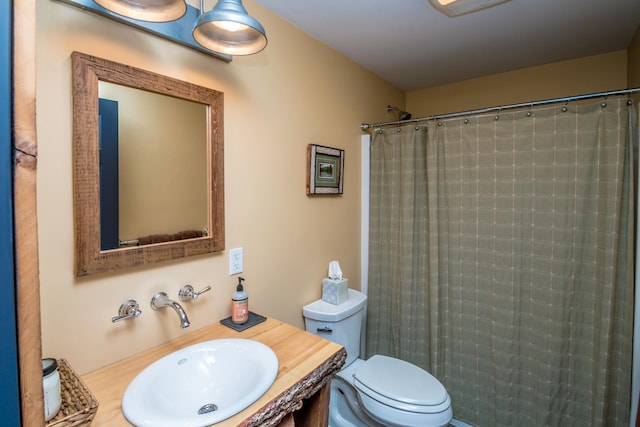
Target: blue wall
<point>9,392</point>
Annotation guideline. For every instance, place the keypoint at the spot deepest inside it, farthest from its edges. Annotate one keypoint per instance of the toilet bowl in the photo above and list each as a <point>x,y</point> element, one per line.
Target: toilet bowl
<point>380,391</point>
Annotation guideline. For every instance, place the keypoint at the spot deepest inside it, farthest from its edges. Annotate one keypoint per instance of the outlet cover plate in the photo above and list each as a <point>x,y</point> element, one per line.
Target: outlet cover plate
<point>235,261</point>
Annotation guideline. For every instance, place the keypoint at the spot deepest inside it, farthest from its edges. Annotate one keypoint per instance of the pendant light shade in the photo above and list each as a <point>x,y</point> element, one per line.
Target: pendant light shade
<point>229,29</point>
<point>462,7</point>
<point>147,10</point>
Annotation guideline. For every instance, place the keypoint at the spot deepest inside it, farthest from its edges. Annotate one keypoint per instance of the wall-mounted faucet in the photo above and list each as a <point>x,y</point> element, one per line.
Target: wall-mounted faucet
<point>162,300</point>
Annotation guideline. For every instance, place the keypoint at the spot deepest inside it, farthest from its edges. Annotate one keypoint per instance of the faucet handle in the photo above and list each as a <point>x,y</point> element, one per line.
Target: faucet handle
<point>187,293</point>
<point>128,309</point>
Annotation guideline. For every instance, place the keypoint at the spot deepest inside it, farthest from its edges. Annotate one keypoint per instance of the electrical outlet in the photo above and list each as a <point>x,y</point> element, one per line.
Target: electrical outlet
<point>235,261</point>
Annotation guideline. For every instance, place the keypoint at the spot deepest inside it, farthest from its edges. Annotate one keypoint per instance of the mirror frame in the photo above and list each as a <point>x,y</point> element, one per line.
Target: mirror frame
<point>87,70</point>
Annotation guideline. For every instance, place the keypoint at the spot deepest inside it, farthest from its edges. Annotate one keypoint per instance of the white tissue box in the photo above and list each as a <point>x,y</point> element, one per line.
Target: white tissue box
<point>335,291</point>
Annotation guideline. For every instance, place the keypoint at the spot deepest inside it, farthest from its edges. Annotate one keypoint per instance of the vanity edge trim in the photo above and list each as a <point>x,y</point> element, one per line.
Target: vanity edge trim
<point>292,399</point>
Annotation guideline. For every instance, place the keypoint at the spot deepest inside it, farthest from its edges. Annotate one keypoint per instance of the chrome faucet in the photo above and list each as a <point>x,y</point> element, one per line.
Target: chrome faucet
<point>162,300</point>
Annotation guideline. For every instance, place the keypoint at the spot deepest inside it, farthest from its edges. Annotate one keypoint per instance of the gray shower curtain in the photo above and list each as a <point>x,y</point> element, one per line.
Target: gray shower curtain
<point>501,260</point>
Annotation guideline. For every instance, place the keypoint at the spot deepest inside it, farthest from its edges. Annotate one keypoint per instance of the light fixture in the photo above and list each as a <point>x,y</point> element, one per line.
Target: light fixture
<point>147,10</point>
<point>461,7</point>
<point>228,28</point>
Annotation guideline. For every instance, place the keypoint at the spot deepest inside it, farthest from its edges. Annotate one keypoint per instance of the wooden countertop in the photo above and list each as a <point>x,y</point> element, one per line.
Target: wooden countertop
<point>306,363</point>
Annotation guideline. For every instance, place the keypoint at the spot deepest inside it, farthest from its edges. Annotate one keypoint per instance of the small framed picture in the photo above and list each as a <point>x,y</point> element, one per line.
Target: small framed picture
<point>325,170</point>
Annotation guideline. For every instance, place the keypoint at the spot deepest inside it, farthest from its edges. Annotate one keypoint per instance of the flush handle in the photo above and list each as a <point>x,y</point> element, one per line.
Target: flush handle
<point>325,330</point>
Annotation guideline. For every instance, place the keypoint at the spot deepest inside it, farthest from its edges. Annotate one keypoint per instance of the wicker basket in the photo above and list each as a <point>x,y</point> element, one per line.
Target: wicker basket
<point>79,406</point>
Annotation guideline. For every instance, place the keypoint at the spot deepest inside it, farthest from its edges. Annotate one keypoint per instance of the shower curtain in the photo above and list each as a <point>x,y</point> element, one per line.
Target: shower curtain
<point>501,261</point>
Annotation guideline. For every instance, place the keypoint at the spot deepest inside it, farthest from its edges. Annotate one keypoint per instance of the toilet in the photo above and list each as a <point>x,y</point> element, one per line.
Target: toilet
<point>381,391</point>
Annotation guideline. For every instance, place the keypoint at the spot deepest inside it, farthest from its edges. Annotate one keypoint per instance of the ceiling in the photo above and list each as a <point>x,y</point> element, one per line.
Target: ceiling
<point>414,46</point>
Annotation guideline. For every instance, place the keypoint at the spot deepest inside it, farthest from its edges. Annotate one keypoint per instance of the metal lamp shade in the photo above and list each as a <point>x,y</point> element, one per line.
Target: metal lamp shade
<point>229,29</point>
<point>147,10</point>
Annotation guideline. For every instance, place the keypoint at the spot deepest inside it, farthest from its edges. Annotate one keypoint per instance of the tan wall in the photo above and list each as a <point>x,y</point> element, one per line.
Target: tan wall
<point>296,92</point>
<point>574,77</point>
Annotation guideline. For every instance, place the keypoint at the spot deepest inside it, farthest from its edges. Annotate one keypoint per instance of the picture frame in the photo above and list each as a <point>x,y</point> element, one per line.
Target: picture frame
<point>325,170</point>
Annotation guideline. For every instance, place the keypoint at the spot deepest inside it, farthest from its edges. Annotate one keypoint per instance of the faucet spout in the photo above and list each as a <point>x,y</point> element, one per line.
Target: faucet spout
<point>162,300</point>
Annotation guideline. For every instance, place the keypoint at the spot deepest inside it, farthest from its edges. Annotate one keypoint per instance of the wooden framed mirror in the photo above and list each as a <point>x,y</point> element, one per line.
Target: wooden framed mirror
<point>199,173</point>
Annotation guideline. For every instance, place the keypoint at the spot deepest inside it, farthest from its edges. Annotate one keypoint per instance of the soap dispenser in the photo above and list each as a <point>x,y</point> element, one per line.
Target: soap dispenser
<point>239,304</point>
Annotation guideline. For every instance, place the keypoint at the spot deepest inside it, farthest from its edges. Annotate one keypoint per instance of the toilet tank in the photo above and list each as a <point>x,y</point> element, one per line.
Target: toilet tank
<point>341,323</point>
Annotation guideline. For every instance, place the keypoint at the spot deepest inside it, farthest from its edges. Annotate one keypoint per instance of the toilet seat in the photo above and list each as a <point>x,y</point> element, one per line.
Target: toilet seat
<point>401,385</point>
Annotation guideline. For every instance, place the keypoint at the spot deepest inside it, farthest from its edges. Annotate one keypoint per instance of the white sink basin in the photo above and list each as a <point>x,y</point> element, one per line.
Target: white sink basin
<point>201,384</point>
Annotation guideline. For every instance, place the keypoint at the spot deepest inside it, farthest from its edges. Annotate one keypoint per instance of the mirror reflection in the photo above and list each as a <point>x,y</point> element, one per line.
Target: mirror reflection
<point>148,167</point>
<point>153,167</point>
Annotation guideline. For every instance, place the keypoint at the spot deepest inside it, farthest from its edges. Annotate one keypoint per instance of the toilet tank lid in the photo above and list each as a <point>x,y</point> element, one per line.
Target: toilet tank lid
<point>327,312</point>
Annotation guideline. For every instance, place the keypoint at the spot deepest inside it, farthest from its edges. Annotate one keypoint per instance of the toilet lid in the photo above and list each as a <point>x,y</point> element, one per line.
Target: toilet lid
<point>399,383</point>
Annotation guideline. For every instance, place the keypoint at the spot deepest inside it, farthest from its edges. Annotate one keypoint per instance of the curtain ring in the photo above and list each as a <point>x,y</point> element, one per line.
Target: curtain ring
<point>529,113</point>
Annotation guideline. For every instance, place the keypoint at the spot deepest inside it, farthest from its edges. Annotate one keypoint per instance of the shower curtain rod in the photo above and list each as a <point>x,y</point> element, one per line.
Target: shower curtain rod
<point>367,126</point>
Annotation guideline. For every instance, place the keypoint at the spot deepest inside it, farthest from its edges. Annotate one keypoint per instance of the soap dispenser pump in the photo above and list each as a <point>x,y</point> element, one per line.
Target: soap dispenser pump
<point>239,304</point>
